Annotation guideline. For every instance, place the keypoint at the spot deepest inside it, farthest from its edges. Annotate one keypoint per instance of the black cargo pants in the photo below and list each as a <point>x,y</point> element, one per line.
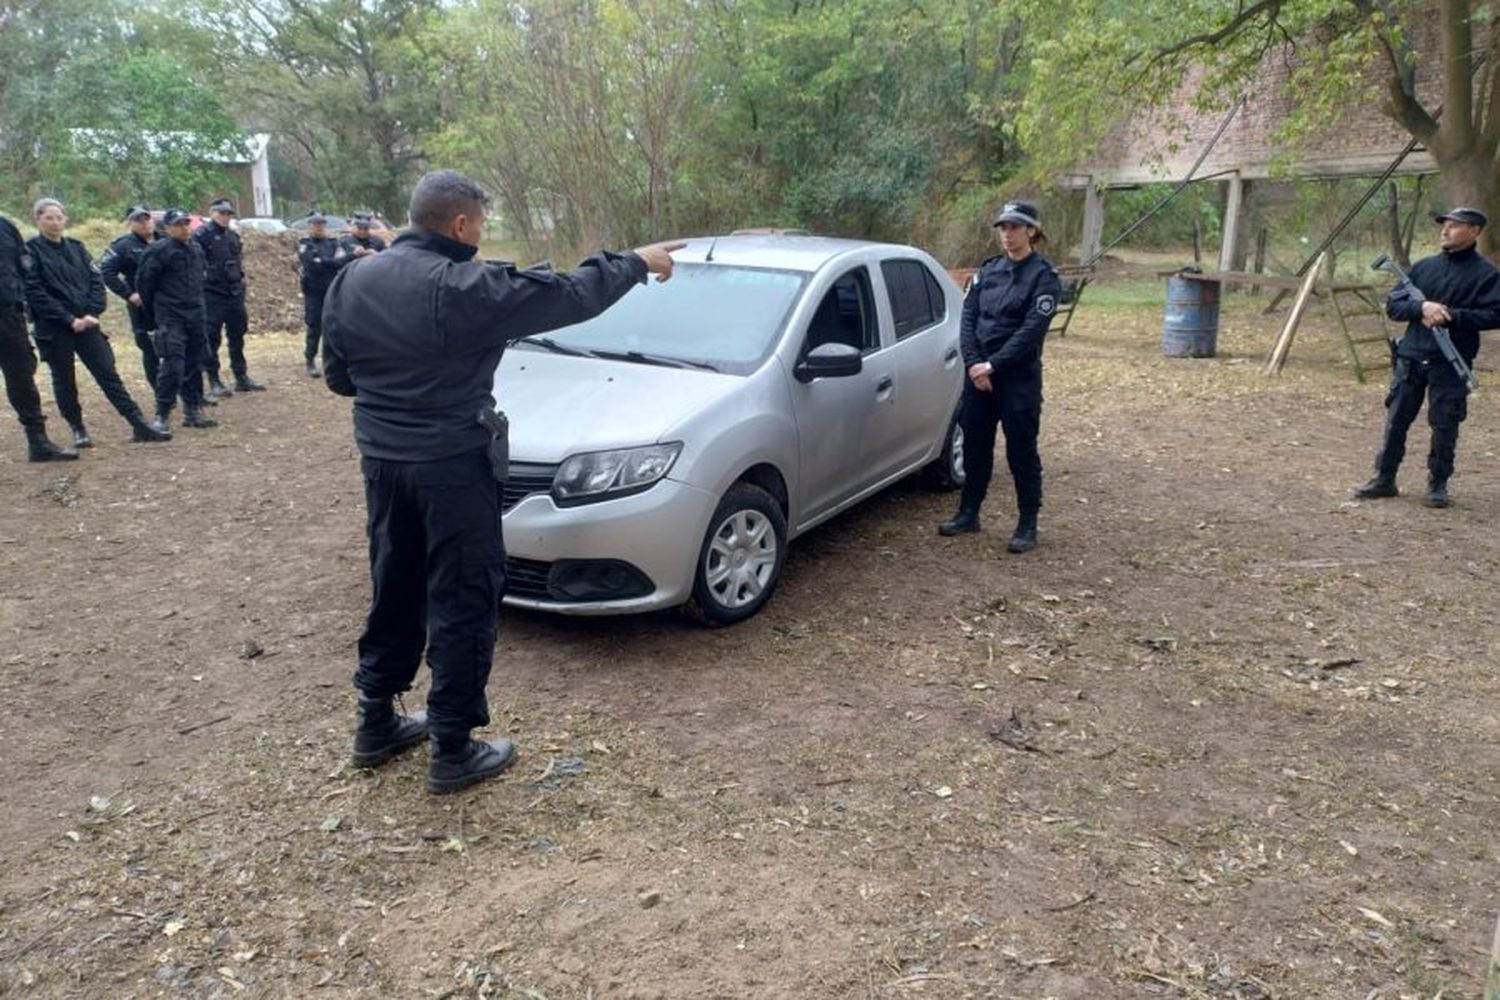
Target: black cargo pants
<point>1447,405</point>
<point>18,363</point>
<point>92,348</point>
<point>180,350</point>
<point>225,319</point>
<point>437,564</point>
<point>1021,420</point>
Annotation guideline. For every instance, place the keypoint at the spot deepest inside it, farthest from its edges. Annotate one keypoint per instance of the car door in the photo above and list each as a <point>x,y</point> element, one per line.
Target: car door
<point>927,361</point>
<point>834,415</point>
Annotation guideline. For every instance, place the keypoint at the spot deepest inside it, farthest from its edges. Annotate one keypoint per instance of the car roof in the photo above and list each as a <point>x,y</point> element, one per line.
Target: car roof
<point>779,250</point>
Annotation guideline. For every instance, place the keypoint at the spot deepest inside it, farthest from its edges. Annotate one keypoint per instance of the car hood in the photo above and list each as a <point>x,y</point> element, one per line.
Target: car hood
<point>560,405</point>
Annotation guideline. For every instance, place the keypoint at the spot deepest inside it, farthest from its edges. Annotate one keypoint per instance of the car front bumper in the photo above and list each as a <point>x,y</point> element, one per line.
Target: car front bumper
<point>657,534</point>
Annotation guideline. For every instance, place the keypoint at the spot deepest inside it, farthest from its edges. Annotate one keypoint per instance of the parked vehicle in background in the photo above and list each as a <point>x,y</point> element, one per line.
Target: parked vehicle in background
<point>668,450</point>
<point>338,224</point>
<point>259,224</point>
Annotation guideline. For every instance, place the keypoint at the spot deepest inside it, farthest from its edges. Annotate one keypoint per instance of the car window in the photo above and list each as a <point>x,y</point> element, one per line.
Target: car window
<point>917,301</point>
<point>727,316</point>
<point>846,315</point>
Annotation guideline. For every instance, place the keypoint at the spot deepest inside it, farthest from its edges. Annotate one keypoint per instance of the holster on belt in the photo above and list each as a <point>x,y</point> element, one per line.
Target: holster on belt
<point>499,428</point>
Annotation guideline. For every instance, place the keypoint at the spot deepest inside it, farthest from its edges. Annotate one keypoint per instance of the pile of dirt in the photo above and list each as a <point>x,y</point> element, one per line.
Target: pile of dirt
<point>273,296</point>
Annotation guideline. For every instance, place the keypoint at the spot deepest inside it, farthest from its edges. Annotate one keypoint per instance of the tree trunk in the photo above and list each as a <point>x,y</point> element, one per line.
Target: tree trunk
<point>1472,180</point>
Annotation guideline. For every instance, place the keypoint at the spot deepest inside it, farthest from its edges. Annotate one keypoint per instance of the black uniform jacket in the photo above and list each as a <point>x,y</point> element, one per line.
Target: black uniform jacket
<point>119,264</point>
<point>12,270</point>
<point>62,284</point>
<point>170,281</point>
<point>415,334</point>
<point>318,260</point>
<point>350,241</point>
<point>1465,282</point>
<point>226,260</point>
<point>1006,315</point>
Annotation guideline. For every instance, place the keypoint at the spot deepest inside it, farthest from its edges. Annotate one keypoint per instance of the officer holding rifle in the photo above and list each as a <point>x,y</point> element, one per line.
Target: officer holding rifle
<point>1455,294</point>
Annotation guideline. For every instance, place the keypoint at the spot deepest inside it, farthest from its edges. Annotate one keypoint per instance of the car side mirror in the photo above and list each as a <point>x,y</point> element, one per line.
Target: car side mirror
<point>829,361</point>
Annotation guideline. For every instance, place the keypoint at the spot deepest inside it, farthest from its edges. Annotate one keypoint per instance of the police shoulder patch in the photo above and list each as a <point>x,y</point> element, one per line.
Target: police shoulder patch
<point>1046,304</point>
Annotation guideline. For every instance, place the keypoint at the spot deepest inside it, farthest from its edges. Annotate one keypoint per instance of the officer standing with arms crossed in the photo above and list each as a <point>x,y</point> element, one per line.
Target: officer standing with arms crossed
<point>224,298</point>
<point>118,266</point>
<point>361,242</point>
<point>170,283</point>
<point>414,335</point>
<point>318,260</point>
<point>17,359</point>
<point>1462,293</point>
<point>66,298</point>
<point>1006,313</point>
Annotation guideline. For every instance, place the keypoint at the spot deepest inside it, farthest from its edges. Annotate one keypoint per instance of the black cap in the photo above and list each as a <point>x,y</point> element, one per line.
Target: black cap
<point>317,217</point>
<point>222,205</point>
<point>1469,216</point>
<point>361,218</point>
<point>136,211</point>
<point>1020,212</point>
<point>174,216</point>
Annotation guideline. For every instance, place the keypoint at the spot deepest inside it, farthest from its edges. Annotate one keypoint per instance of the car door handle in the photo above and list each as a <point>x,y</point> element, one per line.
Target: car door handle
<point>951,356</point>
<point>884,385</point>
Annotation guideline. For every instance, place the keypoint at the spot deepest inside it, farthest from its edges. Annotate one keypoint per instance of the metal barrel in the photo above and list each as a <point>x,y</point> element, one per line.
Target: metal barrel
<point>1190,328</point>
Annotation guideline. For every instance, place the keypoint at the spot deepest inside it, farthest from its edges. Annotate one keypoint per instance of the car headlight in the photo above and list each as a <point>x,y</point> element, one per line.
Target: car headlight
<point>599,475</point>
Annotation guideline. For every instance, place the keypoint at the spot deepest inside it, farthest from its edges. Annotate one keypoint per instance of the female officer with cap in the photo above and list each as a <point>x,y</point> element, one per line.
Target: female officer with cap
<point>1006,313</point>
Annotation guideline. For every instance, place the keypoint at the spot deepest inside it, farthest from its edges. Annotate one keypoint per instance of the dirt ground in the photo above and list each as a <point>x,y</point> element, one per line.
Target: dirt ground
<point>1226,734</point>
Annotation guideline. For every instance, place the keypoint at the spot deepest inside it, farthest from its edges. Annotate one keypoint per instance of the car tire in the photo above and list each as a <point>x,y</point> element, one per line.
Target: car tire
<point>947,471</point>
<point>741,558</point>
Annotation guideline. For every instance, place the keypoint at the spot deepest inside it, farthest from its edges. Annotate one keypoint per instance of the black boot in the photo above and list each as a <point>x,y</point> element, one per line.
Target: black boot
<point>244,383</point>
<point>1379,487</point>
<point>217,389</point>
<point>144,432</point>
<point>40,449</point>
<point>162,424</point>
<point>383,732</point>
<point>965,522</point>
<point>193,417</point>
<point>312,369</point>
<point>458,763</point>
<point>81,437</point>
<point>208,400</point>
<point>1437,493</point>
<point>1023,539</point>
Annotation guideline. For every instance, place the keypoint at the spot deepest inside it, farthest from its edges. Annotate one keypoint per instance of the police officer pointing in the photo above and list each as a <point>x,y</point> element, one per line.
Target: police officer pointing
<point>414,335</point>
<point>1006,313</point>
<point>1461,291</point>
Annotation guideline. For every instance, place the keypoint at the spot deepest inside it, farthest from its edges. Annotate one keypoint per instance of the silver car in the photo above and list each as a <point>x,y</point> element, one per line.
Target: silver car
<point>666,452</point>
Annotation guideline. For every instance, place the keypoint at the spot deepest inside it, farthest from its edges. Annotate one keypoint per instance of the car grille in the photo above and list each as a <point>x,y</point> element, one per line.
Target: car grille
<point>525,479</point>
<point>527,578</point>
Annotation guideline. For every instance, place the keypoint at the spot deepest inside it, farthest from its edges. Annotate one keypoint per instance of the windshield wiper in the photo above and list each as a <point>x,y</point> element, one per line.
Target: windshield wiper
<point>554,346</point>
<point>653,359</point>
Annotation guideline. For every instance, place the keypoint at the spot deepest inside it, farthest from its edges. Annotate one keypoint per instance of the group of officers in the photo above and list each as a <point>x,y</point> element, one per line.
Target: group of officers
<point>184,292</point>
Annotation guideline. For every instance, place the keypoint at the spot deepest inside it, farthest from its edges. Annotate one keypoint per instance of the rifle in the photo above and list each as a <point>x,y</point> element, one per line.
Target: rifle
<point>1439,333</point>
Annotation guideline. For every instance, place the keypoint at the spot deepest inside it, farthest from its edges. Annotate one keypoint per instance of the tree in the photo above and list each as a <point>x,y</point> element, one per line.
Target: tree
<point>348,81</point>
<point>1097,62</point>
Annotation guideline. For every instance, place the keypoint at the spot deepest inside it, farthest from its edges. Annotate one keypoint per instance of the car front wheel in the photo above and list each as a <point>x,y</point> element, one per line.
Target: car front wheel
<point>741,557</point>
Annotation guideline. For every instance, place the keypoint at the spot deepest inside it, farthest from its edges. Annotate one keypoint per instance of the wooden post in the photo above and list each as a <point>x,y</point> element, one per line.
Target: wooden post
<point>1283,345</point>
<point>1197,242</point>
<point>1492,978</point>
<point>1093,221</point>
<point>1260,256</point>
<point>1234,207</point>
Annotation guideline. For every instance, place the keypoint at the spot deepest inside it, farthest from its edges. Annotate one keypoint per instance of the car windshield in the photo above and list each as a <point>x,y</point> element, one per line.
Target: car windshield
<point>707,315</point>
